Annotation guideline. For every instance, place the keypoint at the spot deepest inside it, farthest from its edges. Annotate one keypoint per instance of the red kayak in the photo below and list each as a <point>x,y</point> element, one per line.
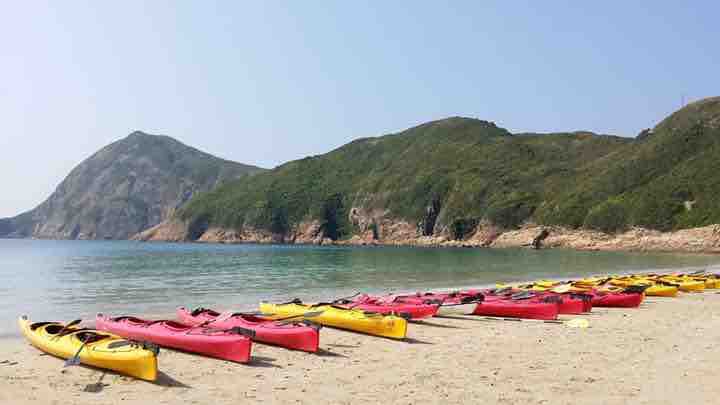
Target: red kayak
<point>295,335</point>
<point>508,308</point>
<point>442,299</point>
<point>569,304</point>
<point>385,306</point>
<point>532,307</point>
<point>233,345</point>
<point>616,299</point>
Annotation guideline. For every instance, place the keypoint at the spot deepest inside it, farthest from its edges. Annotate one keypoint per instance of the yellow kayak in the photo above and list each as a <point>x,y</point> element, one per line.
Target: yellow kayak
<point>710,282</point>
<point>101,349</point>
<point>683,284</point>
<point>544,284</point>
<point>662,291</point>
<point>590,282</point>
<point>351,319</point>
<point>654,289</point>
<point>628,281</point>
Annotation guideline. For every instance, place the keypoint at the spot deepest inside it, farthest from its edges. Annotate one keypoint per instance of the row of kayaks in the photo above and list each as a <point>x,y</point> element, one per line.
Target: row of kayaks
<point>660,285</point>
<point>129,344</point>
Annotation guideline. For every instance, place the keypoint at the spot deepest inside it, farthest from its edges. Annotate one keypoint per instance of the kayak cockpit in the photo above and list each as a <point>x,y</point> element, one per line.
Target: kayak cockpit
<point>177,326</point>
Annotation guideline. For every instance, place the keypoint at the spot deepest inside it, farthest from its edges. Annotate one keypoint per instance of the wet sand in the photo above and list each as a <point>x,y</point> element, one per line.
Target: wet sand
<point>665,352</point>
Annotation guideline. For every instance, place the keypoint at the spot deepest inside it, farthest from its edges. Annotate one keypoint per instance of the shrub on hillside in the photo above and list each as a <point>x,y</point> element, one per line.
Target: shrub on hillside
<point>512,211</point>
<point>609,216</point>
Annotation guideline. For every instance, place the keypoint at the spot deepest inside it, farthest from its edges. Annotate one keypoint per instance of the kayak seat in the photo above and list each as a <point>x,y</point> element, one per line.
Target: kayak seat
<point>36,325</point>
<point>130,319</point>
<point>176,325</point>
<point>52,328</point>
<point>582,297</point>
<point>635,289</point>
<point>342,301</point>
<point>472,299</point>
<point>201,310</point>
<point>250,318</point>
<point>294,301</point>
<point>552,299</point>
<point>90,336</point>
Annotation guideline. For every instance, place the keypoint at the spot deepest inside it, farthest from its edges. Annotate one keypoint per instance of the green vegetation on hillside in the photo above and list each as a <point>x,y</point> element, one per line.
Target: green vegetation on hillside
<point>667,180</point>
<point>445,175</point>
<point>450,175</point>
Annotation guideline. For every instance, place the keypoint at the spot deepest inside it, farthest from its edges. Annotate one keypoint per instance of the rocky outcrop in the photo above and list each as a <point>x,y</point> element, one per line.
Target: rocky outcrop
<point>172,230</point>
<point>402,233</point>
<point>127,187</point>
<point>697,240</point>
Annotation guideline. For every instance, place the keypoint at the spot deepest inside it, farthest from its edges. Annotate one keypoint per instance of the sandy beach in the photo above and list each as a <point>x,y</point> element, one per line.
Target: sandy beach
<point>664,352</point>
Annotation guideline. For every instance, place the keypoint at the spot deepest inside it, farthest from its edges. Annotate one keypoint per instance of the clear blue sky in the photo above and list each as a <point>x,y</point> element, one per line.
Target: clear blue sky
<point>269,81</point>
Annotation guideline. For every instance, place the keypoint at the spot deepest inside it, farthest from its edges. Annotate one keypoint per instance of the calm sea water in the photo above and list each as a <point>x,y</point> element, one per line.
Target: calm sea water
<point>62,280</point>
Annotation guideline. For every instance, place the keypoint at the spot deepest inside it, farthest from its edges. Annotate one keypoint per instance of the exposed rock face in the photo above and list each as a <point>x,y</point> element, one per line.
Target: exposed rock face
<point>400,233</point>
<point>698,240</point>
<point>432,211</point>
<point>170,231</point>
<point>125,188</point>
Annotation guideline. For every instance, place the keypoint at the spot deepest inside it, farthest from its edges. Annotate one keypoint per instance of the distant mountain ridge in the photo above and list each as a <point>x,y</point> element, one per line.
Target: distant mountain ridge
<point>453,180</point>
<point>460,177</point>
<point>125,188</point>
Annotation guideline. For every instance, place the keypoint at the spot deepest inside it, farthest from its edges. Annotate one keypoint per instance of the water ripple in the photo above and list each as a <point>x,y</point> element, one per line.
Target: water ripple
<point>67,279</point>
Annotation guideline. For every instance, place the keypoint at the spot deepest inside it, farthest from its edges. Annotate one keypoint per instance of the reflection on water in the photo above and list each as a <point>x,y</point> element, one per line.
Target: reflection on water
<point>69,279</point>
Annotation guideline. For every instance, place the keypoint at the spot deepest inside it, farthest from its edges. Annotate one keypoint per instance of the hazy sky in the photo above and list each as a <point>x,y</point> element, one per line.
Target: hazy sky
<point>268,81</point>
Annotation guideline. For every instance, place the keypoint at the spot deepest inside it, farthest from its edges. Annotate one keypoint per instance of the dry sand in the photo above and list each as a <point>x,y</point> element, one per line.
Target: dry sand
<point>665,352</point>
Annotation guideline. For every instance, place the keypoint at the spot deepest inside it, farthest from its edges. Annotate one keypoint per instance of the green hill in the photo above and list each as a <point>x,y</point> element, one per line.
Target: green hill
<point>448,176</point>
<point>445,176</point>
<point>667,179</point>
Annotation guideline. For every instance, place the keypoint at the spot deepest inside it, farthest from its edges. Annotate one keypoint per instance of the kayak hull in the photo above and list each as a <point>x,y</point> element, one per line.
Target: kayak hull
<point>389,326</point>
<point>294,336</point>
<point>129,359</point>
<point>662,291</point>
<point>517,309</point>
<point>206,341</point>
<point>617,300</point>
<point>568,305</point>
<point>685,285</point>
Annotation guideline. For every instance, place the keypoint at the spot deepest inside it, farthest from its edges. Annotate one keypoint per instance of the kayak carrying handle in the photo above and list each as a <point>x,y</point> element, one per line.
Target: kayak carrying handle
<point>297,301</point>
<point>581,296</point>
<point>311,324</point>
<point>472,299</point>
<point>635,289</point>
<point>404,315</point>
<point>151,347</point>
<point>552,299</point>
<point>243,331</point>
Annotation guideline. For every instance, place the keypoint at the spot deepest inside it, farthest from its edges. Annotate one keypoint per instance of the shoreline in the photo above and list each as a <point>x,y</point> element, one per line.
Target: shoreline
<point>625,355</point>
<point>704,240</point>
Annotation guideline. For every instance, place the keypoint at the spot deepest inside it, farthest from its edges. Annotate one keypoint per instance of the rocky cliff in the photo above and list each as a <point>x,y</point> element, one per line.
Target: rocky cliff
<point>399,233</point>
<point>124,188</point>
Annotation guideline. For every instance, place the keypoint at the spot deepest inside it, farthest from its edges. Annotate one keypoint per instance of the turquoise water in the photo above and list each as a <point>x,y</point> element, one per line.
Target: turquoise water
<point>61,280</point>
